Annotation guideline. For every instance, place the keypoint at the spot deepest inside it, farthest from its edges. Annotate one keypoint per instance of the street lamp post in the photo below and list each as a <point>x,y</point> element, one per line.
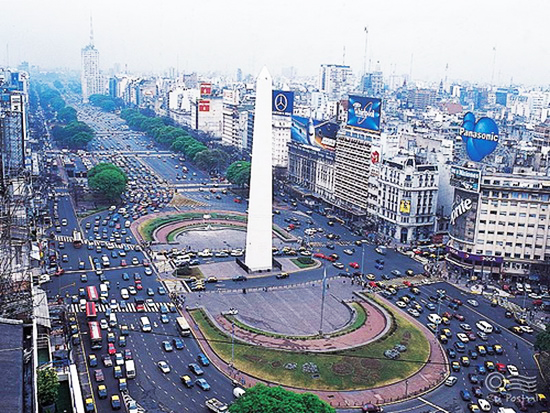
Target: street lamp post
<point>232,341</point>
<point>406,387</point>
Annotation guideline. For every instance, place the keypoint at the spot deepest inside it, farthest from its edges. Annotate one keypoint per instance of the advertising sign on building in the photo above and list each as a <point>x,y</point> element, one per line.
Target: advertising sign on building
<point>283,102</point>
<point>463,215</point>
<point>231,97</point>
<point>465,178</point>
<point>205,89</point>
<point>375,157</point>
<point>364,113</point>
<point>204,105</point>
<point>481,137</point>
<point>316,133</point>
<point>405,206</point>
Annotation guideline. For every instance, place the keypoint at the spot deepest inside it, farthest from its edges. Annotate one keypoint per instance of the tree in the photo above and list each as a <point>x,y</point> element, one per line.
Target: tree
<point>47,386</point>
<point>211,159</point>
<point>108,179</point>
<point>542,342</point>
<point>261,398</point>
<point>238,173</point>
<point>67,114</point>
<point>57,104</point>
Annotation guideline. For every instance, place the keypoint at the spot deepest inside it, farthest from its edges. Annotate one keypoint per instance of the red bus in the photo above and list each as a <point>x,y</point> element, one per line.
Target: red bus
<point>92,293</point>
<point>95,335</point>
<point>91,312</point>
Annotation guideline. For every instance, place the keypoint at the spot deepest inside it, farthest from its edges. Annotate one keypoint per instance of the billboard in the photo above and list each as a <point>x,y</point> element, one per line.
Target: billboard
<point>283,102</point>
<point>205,89</point>
<point>463,215</point>
<point>364,113</point>
<point>481,137</point>
<point>405,206</point>
<point>487,259</point>
<point>312,132</point>
<point>465,178</point>
<point>204,105</point>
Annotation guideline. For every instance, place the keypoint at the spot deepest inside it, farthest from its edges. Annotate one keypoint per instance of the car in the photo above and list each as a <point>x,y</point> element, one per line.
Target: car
<point>481,350</point>
<point>482,335</point>
<point>512,370</point>
<point>471,335</point>
<point>163,308</point>
<point>103,324</point>
<point>111,338</point>
<point>138,285</point>
<point>447,332</point>
<point>459,317</point>
<point>132,290</point>
<point>122,385</point>
<point>371,408</point>
<point>115,402</point>
<point>92,360</point>
<point>282,275</point>
<point>123,263</point>
<point>107,361</point>
<point>484,405</point>
<point>122,341</point>
<point>474,379</point>
<point>203,360</point>
<point>102,391</point>
<point>508,314</point>
<point>117,372</point>
<point>451,353</point>
<point>465,361</point>
<point>516,329</point>
<point>463,337</point>
<point>164,319</point>
<point>125,276</point>
<point>98,375</point>
<point>354,265</point>
<point>465,327</point>
<point>490,366</point>
<point>348,251</point>
<point>498,349</point>
<point>460,347</point>
<point>476,390</point>
<point>135,261</point>
<point>163,366</point>
<point>186,380</point>
<point>527,329</point>
<point>203,384</point>
<point>465,395</point>
<point>451,381</point>
<point>119,359</point>
<point>396,273</point>
<point>401,304</point>
<point>431,306</point>
<point>148,271</point>
<point>195,368</point>
<point>473,303</point>
<point>473,407</point>
<point>480,369</point>
<point>161,290</point>
<point>150,292</point>
<point>111,349</point>
<point>455,366</point>
<point>178,343</point>
<point>167,346</point>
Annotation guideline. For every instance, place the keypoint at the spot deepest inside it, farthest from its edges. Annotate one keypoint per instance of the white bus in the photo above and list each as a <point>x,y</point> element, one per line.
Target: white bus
<point>145,324</point>
<point>183,326</point>
<point>484,326</point>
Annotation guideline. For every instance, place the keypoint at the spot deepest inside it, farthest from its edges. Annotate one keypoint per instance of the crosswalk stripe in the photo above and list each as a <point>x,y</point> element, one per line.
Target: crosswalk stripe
<point>102,243</point>
<point>130,308</point>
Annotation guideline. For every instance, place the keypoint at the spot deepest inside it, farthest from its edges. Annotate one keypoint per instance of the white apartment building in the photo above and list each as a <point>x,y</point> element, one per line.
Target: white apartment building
<point>407,197</point>
<point>335,80</point>
<point>502,229</point>
<point>281,137</point>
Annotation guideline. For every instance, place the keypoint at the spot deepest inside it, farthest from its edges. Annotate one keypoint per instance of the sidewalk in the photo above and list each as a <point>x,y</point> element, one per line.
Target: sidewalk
<point>431,375</point>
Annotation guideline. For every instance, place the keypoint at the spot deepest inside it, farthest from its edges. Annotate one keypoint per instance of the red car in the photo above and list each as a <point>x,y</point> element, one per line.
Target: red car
<point>330,258</point>
<point>146,262</point>
<point>446,314</point>
<point>354,265</point>
<point>139,287</point>
<point>457,301</point>
<point>407,283</point>
<point>140,308</point>
<point>459,317</point>
<point>501,368</point>
<point>319,255</point>
<point>111,349</point>
<point>60,271</point>
<point>123,263</point>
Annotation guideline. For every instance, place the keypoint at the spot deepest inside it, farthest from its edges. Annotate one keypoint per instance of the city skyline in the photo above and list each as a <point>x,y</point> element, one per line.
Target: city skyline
<point>217,37</point>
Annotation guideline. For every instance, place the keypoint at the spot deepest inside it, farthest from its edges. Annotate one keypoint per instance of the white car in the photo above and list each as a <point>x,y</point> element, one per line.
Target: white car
<point>348,251</point>
<point>132,290</point>
<point>473,303</point>
<point>484,405</point>
<point>512,370</point>
<point>114,304</point>
<point>465,327</point>
<point>124,294</point>
<point>462,337</point>
<point>103,324</point>
<point>119,359</point>
<point>527,329</point>
<point>401,304</point>
<point>163,366</point>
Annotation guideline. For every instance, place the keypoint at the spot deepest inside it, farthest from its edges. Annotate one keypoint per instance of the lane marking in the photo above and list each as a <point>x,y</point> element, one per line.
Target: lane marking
<point>435,406</point>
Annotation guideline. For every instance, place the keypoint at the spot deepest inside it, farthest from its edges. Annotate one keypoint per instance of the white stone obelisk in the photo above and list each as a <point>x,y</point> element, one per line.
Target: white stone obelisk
<point>259,228</point>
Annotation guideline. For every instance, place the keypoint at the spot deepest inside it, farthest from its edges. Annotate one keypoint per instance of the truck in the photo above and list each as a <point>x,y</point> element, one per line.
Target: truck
<point>214,405</point>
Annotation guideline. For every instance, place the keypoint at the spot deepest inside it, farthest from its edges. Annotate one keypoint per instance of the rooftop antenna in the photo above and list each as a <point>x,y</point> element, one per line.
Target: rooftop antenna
<point>365,58</point>
<point>344,57</point>
<point>91,31</point>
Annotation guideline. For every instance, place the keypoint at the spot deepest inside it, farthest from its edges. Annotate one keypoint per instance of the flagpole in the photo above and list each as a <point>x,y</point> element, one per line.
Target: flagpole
<point>323,300</point>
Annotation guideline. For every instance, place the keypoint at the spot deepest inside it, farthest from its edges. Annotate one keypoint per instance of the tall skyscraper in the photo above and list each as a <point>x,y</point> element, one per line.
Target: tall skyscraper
<point>90,77</point>
<point>335,80</point>
<point>259,228</point>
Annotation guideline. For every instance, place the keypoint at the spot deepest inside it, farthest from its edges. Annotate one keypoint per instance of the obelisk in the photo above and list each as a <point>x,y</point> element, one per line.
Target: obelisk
<point>259,228</point>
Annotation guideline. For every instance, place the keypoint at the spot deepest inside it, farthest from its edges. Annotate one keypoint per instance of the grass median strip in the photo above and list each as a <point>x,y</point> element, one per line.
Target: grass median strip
<point>359,368</point>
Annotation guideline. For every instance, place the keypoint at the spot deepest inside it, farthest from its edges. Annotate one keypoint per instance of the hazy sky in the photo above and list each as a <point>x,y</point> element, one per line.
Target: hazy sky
<point>223,35</point>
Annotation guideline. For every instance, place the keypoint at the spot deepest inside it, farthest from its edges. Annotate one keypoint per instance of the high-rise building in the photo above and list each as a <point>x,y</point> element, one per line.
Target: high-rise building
<point>89,76</point>
<point>335,80</point>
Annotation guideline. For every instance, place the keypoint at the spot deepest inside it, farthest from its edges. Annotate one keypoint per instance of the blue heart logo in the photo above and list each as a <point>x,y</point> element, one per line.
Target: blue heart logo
<point>481,137</point>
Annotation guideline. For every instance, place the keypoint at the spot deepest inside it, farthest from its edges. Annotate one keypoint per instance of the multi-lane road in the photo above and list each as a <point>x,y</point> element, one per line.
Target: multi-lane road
<point>157,391</point>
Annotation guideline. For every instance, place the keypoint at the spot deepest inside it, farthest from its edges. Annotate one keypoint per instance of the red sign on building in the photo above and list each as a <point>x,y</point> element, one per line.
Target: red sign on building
<point>204,105</point>
<point>375,157</point>
<point>206,89</point>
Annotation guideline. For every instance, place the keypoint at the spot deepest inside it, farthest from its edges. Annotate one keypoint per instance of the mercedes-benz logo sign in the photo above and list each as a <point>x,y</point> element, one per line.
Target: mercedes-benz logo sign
<point>281,102</point>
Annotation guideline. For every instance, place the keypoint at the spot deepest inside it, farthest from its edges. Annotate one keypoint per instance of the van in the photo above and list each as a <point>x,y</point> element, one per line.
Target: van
<point>145,324</point>
<point>105,261</point>
<point>104,290</point>
<point>434,318</point>
<point>112,320</point>
<point>484,326</point>
<point>130,369</point>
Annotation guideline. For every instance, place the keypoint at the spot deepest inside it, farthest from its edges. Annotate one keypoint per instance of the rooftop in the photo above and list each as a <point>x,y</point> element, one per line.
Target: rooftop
<point>11,365</point>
